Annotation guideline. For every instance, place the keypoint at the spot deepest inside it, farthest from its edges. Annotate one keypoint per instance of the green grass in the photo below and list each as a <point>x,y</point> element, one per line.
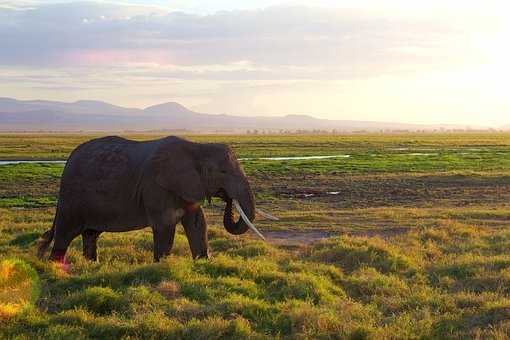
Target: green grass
<point>369,153</point>
<point>450,280</point>
<point>422,247</point>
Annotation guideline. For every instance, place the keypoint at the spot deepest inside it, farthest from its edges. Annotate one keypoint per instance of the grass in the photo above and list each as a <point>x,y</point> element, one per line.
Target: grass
<point>450,280</point>
<point>422,247</point>
<point>19,287</point>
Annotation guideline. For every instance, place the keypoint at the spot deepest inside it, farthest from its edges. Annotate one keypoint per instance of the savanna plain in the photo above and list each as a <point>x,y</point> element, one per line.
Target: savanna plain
<point>395,237</point>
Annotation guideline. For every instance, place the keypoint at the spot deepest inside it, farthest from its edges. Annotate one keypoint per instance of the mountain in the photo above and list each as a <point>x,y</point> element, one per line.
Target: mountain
<point>165,108</point>
<point>89,115</point>
<point>9,105</point>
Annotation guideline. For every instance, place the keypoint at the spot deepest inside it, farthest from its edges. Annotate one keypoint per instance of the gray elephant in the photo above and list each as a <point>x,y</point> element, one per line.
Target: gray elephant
<point>112,184</point>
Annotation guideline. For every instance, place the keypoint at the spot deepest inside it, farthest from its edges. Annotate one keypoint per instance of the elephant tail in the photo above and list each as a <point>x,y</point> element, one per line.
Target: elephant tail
<point>45,241</point>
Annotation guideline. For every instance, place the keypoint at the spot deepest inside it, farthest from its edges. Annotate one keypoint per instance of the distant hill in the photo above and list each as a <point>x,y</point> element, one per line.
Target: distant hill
<point>87,115</point>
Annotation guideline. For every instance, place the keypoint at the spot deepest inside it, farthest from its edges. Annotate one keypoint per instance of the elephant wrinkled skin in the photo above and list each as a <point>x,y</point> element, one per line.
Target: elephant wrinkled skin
<point>112,184</point>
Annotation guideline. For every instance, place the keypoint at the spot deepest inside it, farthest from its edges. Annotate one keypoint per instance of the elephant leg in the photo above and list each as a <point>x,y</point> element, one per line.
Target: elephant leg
<point>195,227</point>
<point>90,237</point>
<point>63,238</point>
<point>163,235</point>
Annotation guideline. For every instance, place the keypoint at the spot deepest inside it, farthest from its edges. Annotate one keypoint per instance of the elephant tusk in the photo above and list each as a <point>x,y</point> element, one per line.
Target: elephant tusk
<point>266,215</point>
<point>246,220</point>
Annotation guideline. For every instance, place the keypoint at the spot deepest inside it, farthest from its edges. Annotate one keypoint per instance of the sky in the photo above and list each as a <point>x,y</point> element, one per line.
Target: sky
<point>402,61</point>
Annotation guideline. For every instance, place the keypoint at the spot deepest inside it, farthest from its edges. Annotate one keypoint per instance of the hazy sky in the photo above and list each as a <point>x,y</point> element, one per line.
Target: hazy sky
<point>409,61</point>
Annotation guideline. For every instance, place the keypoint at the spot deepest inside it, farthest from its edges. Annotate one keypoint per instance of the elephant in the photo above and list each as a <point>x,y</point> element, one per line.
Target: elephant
<point>113,184</point>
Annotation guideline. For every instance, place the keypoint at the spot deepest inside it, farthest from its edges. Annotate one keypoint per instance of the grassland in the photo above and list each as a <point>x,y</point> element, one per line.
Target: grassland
<point>419,246</point>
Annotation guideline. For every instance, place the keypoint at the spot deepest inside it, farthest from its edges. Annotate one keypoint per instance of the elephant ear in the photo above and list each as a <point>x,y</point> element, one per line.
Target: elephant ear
<point>174,169</point>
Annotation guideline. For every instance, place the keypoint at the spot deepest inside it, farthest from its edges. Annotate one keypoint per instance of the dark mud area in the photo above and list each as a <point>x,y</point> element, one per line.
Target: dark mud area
<point>390,190</point>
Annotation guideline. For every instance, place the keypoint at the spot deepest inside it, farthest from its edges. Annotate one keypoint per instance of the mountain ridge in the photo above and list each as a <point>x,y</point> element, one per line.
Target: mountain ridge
<point>44,115</point>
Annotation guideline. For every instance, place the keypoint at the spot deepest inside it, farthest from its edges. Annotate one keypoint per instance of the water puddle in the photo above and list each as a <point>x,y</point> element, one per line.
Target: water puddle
<point>241,159</point>
<point>327,193</point>
<point>421,154</point>
<point>31,162</point>
<point>294,158</point>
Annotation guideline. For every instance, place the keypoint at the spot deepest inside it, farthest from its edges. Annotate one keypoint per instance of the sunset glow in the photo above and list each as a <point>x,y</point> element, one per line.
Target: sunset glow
<point>404,61</point>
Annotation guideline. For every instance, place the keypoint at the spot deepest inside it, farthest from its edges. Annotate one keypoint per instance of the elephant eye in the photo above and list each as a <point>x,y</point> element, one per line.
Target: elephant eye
<point>223,171</point>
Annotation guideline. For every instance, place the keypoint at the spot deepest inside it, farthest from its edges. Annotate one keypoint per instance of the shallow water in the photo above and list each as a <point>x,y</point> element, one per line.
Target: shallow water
<point>293,158</point>
<point>30,162</point>
<point>241,159</point>
<point>422,154</point>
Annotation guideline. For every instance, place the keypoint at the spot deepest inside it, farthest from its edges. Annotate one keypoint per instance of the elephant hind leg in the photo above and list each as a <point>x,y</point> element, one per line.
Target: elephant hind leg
<point>90,237</point>
<point>65,233</point>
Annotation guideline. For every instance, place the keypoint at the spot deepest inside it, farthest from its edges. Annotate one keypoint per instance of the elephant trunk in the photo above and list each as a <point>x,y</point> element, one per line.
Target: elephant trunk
<point>247,203</point>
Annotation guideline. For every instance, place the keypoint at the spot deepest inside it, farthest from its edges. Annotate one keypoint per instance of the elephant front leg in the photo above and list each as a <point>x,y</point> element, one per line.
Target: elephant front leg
<point>195,227</point>
<point>163,235</point>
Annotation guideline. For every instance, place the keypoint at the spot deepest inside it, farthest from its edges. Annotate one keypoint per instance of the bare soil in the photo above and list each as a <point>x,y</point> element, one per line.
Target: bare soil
<point>308,237</point>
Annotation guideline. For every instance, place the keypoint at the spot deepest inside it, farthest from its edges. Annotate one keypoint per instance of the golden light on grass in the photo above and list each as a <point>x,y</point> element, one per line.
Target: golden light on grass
<point>169,289</point>
<point>60,269</point>
<point>19,287</point>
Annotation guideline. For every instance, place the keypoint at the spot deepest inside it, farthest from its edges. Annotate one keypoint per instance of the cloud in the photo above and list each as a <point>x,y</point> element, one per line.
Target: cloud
<point>278,42</point>
<point>371,63</point>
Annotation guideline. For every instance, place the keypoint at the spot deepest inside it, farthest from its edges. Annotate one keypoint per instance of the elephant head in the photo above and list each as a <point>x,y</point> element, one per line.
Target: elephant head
<point>225,178</point>
<point>195,171</point>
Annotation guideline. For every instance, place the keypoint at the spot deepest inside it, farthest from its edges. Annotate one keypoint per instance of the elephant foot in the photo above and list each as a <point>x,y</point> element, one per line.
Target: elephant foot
<point>206,255</point>
<point>91,258</point>
<point>58,256</point>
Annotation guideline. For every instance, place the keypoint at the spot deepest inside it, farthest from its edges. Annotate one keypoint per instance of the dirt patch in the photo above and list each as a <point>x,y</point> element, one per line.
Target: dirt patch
<point>383,233</point>
<point>309,237</point>
<point>299,237</point>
